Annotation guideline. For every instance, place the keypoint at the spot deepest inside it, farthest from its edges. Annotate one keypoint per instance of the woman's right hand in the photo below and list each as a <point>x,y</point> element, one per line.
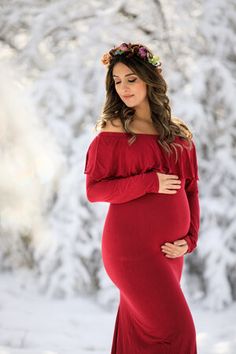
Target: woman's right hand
<point>168,183</point>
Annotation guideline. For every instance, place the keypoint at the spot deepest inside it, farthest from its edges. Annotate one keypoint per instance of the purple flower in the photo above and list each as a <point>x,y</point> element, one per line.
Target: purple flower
<point>142,52</point>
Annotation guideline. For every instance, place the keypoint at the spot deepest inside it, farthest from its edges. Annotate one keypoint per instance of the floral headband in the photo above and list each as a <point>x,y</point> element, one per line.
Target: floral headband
<point>129,50</point>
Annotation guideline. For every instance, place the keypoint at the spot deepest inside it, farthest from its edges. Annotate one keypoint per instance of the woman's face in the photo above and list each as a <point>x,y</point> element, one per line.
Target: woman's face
<point>130,88</point>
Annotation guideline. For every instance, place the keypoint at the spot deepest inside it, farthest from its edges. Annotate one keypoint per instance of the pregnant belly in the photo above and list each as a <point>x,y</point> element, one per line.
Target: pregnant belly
<point>138,228</point>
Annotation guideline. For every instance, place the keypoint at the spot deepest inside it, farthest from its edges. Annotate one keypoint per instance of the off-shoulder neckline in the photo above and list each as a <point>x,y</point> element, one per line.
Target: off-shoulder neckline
<point>125,133</point>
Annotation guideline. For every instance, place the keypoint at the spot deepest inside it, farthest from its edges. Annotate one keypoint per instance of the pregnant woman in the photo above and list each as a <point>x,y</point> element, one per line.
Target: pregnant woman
<point>144,163</point>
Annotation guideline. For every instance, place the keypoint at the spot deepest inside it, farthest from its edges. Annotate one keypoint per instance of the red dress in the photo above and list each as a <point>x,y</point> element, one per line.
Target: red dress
<point>153,316</point>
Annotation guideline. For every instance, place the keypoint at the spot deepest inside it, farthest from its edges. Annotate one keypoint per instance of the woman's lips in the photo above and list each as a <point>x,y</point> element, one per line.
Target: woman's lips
<point>128,96</point>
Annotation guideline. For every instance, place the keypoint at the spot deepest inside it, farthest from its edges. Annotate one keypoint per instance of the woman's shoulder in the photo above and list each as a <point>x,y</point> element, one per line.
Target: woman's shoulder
<point>114,125</point>
<point>102,138</point>
<point>104,148</point>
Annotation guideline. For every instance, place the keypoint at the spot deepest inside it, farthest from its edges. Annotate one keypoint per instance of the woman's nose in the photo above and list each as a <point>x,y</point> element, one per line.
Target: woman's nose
<point>124,87</point>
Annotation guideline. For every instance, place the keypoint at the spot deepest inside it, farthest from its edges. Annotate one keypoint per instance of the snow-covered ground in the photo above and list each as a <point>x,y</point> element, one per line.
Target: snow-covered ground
<point>34,324</point>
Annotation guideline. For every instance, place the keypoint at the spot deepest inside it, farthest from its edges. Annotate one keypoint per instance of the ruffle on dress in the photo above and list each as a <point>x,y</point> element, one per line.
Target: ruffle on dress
<point>109,155</point>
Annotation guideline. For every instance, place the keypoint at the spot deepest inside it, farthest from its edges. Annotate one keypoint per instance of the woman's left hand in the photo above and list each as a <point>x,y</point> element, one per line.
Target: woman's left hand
<point>176,249</point>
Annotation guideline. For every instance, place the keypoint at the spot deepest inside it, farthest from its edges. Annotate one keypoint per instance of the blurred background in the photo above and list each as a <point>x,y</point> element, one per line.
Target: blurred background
<point>55,296</point>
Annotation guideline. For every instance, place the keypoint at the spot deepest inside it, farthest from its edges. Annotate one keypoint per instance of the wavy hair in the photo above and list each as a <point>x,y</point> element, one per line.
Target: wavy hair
<point>167,127</point>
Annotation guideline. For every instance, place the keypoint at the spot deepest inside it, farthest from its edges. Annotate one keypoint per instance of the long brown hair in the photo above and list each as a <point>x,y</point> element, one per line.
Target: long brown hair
<point>167,127</point>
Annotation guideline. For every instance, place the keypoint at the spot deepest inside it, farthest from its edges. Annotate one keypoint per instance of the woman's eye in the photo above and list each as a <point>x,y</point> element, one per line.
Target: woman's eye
<point>131,80</point>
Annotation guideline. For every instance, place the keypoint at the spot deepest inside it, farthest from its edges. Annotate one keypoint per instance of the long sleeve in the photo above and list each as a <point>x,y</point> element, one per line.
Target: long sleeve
<point>123,189</point>
<point>106,179</point>
<point>191,188</point>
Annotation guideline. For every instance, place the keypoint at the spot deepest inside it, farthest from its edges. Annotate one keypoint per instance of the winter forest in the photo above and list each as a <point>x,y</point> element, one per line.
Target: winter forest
<point>56,297</point>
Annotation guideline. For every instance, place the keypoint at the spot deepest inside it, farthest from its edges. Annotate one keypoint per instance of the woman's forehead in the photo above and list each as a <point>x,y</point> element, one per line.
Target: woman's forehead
<point>121,69</point>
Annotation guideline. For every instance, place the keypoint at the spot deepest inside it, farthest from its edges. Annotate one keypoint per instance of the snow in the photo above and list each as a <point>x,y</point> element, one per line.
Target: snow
<point>56,46</point>
<point>36,324</point>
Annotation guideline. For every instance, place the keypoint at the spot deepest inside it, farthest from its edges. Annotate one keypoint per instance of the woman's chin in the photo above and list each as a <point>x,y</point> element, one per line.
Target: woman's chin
<point>130,105</point>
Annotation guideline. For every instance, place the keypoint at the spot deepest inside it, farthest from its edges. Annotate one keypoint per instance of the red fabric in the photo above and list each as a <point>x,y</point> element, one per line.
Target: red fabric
<point>153,316</point>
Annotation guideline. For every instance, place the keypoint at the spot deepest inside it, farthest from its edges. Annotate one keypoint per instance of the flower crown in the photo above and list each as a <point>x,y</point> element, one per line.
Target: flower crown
<point>129,50</point>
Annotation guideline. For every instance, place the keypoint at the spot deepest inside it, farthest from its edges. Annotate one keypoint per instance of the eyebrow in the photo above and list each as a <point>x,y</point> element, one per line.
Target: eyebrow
<point>125,75</point>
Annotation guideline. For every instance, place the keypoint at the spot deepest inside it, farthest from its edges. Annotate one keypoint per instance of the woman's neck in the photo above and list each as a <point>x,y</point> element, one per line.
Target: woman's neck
<point>146,120</point>
<point>143,123</point>
<point>143,113</point>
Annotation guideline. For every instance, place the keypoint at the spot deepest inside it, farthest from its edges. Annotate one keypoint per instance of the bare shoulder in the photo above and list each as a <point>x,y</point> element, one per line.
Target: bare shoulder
<point>114,126</point>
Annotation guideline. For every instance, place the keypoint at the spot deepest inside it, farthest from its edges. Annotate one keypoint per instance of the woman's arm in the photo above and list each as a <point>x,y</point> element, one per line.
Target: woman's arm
<point>123,189</point>
<point>120,190</point>
<point>191,187</point>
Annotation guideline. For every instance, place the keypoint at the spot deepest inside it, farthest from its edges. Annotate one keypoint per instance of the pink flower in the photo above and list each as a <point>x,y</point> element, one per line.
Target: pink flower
<point>123,47</point>
<point>142,52</point>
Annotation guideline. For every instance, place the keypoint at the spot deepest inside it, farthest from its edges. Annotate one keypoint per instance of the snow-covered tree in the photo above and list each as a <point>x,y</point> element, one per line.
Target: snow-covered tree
<point>58,45</point>
<point>29,177</point>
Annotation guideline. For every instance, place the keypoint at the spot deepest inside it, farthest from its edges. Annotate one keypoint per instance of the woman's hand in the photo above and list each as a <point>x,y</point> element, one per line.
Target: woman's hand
<point>176,249</point>
<point>168,183</point>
